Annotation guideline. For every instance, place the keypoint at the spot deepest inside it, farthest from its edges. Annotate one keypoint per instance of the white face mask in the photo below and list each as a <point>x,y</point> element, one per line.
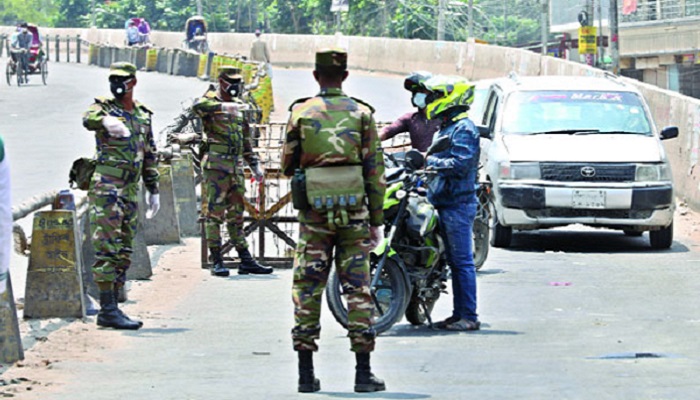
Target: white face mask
<point>419,100</point>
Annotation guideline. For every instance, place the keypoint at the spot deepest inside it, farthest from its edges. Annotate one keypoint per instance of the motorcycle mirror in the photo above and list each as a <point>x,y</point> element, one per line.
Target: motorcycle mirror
<point>414,159</point>
<point>441,144</point>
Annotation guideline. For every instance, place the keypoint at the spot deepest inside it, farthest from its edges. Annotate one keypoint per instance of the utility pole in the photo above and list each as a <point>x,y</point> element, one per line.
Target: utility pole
<point>545,26</point>
<point>590,58</point>
<point>441,21</point>
<point>471,19</point>
<point>614,38</point>
<point>601,49</point>
<point>199,8</point>
<point>92,14</point>
<point>505,24</point>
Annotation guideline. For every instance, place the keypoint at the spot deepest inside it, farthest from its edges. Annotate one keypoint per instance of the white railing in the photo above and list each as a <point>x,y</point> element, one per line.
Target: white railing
<point>658,10</point>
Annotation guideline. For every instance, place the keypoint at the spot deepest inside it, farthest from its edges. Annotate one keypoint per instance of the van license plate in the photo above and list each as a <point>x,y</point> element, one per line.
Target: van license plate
<point>588,199</point>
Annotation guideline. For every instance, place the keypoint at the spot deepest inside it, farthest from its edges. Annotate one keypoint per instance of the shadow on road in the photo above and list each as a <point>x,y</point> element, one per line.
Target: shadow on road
<point>155,332</point>
<point>586,242</point>
<point>406,330</point>
<point>377,395</point>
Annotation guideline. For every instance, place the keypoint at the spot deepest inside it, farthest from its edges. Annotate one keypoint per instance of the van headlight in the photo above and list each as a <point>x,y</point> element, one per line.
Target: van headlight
<point>653,173</point>
<point>519,170</point>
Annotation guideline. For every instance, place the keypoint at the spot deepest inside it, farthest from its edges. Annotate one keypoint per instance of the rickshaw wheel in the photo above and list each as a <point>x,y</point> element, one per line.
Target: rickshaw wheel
<point>8,72</point>
<point>44,71</point>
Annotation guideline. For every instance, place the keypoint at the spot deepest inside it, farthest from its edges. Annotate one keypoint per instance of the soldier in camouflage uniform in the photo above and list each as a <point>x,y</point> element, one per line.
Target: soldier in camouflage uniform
<point>328,131</point>
<point>227,142</point>
<point>126,151</point>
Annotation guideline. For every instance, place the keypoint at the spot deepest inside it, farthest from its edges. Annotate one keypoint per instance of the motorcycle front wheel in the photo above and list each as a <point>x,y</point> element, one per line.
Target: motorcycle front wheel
<point>481,231</point>
<point>389,296</point>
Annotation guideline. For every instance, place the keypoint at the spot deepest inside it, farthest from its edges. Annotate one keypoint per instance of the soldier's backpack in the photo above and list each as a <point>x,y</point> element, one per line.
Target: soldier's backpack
<point>81,173</point>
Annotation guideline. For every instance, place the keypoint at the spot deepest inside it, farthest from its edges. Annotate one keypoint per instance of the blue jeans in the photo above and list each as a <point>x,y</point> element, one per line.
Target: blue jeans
<point>456,223</point>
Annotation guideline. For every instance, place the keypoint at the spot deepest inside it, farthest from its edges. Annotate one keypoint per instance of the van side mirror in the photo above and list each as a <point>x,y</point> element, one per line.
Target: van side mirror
<point>669,132</point>
<point>441,144</point>
<point>484,131</point>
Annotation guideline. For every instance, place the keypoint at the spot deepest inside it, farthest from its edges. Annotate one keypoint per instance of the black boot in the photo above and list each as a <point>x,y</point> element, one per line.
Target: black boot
<point>248,264</point>
<point>120,293</point>
<point>218,268</point>
<point>110,316</point>
<point>365,381</point>
<point>307,381</point>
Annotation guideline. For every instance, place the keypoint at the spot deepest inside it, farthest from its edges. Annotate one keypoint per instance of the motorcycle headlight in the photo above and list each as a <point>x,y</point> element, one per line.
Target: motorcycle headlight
<point>653,173</point>
<point>520,170</point>
<point>400,194</point>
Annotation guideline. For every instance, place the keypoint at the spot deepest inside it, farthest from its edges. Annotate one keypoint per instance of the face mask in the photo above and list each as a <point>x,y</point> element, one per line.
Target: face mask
<point>118,87</point>
<point>419,100</point>
<point>24,30</point>
<point>233,89</point>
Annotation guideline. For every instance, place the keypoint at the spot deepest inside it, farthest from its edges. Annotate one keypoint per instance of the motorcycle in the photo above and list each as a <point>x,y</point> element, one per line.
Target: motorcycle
<point>409,268</point>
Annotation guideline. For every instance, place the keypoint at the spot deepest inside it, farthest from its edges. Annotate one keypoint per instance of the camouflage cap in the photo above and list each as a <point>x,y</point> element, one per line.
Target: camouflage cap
<point>122,69</point>
<point>331,59</point>
<point>229,72</point>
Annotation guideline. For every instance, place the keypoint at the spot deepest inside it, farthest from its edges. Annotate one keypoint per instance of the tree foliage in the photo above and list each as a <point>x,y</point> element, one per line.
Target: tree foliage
<point>508,22</point>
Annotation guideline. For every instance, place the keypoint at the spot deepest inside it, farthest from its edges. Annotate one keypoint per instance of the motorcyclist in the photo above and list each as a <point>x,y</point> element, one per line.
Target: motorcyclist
<point>419,127</point>
<point>21,43</point>
<point>453,193</point>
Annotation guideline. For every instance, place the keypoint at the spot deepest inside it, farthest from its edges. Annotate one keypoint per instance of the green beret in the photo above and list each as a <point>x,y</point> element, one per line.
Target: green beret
<point>334,59</point>
<point>229,71</point>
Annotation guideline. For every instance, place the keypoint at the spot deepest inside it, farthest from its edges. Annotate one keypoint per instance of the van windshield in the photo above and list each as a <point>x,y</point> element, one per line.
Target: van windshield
<point>575,112</point>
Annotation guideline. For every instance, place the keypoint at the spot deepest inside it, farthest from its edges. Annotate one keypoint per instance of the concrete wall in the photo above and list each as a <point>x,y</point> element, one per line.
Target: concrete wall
<point>474,61</point>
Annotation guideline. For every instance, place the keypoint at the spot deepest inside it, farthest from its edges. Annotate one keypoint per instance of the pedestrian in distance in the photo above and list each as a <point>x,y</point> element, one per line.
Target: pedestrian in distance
<point>126,152</point>
<point>416,123</point>
<point>259,52</point>
<point>226,144</point>
<point>331,141</point>
<point>5,218</point>
<point>133,37</point>
<point>453,191</point>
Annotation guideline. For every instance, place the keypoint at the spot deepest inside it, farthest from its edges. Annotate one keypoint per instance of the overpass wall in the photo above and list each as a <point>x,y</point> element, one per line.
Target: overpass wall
<point>474,61</point>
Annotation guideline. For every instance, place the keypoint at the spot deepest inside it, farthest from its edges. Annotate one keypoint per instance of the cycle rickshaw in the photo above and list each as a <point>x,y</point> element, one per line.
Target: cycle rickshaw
<point>37,61</point>
<point>196,35</point>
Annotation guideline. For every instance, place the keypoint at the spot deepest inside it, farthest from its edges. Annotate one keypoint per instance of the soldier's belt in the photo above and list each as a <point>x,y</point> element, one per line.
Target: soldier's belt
<point>114,172</point>
<point>222,149</point>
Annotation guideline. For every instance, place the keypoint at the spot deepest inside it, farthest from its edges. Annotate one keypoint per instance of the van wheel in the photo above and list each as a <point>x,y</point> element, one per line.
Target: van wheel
<point>661,239</point>
<point>501,234</point>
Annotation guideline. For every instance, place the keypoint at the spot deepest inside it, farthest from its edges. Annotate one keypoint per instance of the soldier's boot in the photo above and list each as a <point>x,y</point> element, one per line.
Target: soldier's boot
<point>119,294</point>
<point>307,381</point>
<point>218,268</point>
<point>365,381</point>
<point>248,264</point>
<point>110,316</point>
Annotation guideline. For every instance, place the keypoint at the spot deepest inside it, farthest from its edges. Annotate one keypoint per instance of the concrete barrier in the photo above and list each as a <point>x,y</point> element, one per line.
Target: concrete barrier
<point>11,349</point>
<point>185,196</point>
<point>152,59</point>
<point>54,286</point>
<point>163,59</point>
<point>164,228</point>
<point>139,57</point>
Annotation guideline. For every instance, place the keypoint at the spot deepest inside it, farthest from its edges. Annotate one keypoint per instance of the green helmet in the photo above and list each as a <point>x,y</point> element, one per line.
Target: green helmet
<point>452,93</point>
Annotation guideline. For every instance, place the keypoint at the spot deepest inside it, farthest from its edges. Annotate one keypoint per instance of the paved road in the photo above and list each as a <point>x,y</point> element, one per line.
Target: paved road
<point>568,314</point>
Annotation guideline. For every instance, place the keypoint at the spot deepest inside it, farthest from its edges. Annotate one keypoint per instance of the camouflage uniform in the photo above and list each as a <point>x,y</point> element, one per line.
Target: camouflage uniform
<point>227,141</point>
<point>113,192</point>
<point>333,129</point>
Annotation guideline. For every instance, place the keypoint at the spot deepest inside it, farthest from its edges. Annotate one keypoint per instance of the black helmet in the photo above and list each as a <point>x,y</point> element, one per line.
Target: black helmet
<point>416,80</point>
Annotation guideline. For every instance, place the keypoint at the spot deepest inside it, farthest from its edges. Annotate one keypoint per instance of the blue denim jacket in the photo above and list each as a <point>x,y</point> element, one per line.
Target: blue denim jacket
<point>457,166</point>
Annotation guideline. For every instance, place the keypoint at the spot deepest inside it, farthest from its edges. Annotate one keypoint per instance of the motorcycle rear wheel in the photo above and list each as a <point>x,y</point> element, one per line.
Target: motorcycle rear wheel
<point>391,294</point>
